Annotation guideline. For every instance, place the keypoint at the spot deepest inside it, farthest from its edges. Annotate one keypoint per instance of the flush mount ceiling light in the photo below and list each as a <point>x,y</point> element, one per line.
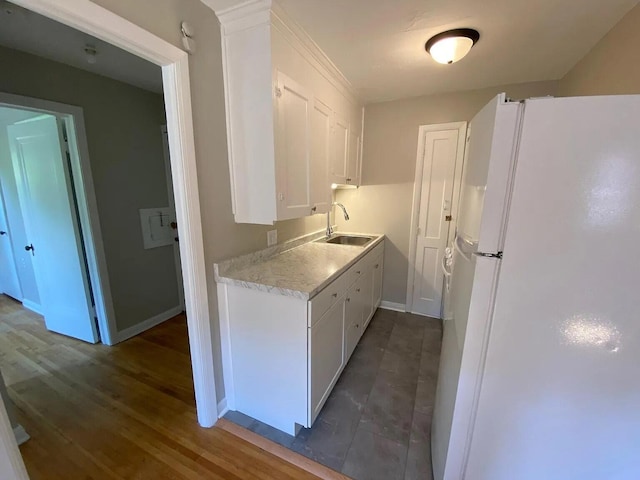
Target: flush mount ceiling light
<point>452,45</point>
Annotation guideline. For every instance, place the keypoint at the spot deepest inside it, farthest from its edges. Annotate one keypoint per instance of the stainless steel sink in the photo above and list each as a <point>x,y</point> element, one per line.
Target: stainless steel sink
<point>353,240</point>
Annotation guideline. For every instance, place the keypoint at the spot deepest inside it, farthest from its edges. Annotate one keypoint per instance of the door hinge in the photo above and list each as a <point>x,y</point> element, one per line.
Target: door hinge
<point>448,218</point>
<point>278,92</point>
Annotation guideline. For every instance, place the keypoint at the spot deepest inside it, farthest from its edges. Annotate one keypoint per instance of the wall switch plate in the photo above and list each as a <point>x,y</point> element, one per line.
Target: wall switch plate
<point>272,238</point>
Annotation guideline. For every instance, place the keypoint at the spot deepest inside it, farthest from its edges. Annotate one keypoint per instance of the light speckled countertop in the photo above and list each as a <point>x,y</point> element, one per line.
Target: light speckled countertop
<point>300,271</point>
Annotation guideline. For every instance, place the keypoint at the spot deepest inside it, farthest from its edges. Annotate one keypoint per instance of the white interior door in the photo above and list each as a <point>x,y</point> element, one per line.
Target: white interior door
<point>9,281</point>
<point>442,150</point>
<point>51,221</point>
<point>174,221</point>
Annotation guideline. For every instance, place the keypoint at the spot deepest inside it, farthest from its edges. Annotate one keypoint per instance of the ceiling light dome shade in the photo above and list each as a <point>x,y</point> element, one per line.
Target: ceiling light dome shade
<point>452,45</point>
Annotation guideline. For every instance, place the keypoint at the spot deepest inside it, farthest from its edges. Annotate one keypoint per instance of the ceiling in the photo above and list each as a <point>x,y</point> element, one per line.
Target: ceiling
<point>30,32</point>
<point>379,44</point>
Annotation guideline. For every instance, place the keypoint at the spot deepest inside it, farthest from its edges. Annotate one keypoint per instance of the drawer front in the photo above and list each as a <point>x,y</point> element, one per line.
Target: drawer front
<point>322,302</point>
<point>354,273</point>
<point>375,253</point>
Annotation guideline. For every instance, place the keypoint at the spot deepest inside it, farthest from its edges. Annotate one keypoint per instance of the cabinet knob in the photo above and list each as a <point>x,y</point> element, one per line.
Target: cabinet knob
<point>334,295</point>
<point>30,248</point>
<point>348,299</point>
<point>357,290</point>
<point>377,265</point>
<point>2,232</point>
<point>348,179</point>
<point>313,209</point>
<point>358,272</point>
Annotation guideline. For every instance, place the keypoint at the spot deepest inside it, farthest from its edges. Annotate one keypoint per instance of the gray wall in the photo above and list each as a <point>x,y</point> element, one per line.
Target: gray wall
<point>612,67</point>
<point>383,204</point>
<point>125,149</point>
<point>223,238</point>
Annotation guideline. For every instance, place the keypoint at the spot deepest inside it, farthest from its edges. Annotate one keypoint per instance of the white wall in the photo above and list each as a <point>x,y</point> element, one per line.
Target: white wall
<point>383,203</point>
<point>612,67</point>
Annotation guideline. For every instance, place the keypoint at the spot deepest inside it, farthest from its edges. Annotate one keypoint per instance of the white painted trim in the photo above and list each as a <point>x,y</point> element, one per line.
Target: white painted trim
<point>417,191</point>
<point>73,117</point>
<point>172,206</point>
<point>222,408</point>
<point>225,345</point>
<point>21,434</point>
<point>33,306</point>
<point>395,307</point>
<point>138,328</point>
<point>95,20</point>
<point>11,464</point>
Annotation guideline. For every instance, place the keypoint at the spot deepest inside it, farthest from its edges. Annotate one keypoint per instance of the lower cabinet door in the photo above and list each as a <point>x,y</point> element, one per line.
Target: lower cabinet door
<point>326,357</point>
<point>368,306</point>
<point>377,281</point>
<point>351,338</point>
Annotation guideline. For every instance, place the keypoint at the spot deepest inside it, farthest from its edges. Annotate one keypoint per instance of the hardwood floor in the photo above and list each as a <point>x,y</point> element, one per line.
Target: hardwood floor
<point>122,412</point>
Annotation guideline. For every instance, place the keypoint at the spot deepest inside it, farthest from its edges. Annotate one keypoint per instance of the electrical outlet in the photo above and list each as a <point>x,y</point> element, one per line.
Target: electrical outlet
<point>272,238</point>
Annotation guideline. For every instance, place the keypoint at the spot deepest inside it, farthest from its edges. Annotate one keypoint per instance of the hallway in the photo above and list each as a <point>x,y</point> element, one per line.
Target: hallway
<point>119,412</point>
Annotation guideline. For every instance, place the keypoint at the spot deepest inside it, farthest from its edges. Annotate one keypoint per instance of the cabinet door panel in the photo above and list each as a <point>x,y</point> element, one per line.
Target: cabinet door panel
<point>293,158</point>
<point>353,310</point>
<point>366,296</point>
<point>320,157</point>
<point>353,165</point>
<point>326,357</point>
<point>339,150</point>
<point>377,280</point>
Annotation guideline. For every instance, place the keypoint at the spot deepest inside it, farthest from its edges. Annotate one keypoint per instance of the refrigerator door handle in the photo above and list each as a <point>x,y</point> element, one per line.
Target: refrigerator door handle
<point>457,245</point>
<point>446,272</point>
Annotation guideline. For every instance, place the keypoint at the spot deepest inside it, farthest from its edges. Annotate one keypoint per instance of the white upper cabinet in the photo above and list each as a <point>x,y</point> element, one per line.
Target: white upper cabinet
<point>293,124</point>
<point>339,150</point>
<point>353,159</point>
<point>293,155</point>
<point>320,156</point>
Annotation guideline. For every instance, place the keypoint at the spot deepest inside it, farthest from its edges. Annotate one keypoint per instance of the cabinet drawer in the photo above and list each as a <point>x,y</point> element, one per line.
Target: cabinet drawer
<point>375,253</point>
<point>353,274</point>
<point>323,301</point>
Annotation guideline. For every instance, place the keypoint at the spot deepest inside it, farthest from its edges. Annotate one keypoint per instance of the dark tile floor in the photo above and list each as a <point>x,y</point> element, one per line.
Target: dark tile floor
<point>376,423</point>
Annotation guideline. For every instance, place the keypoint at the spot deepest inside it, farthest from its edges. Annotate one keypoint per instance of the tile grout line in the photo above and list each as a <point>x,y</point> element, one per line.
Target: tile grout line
<point>413,412</point>
<point>384,349</point>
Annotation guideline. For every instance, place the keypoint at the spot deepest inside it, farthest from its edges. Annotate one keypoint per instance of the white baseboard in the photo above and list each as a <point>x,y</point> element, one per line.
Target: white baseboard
<point>138,328</point>
<point>222,407</point>
<point>33,306</point>
<point>21,434</point>
<point>396,307</point>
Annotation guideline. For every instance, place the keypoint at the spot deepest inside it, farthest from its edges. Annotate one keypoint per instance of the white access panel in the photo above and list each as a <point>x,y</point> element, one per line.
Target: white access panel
<point>157,230</point>
<point>561,391</point>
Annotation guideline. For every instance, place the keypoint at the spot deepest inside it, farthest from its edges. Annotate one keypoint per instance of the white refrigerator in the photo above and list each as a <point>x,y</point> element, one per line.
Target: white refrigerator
<point>540,367</point>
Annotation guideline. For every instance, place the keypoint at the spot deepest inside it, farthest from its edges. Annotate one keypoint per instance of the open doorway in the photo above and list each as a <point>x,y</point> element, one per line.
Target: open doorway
<point>86,234</point>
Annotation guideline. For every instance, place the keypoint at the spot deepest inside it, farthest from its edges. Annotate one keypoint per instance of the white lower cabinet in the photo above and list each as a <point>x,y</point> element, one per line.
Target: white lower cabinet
<point>276,376</point>
<point>325,347</point>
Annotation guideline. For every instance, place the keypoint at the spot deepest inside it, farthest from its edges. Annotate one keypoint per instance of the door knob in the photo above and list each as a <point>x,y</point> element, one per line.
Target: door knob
<point>29,248</point>
<point>2,232</point>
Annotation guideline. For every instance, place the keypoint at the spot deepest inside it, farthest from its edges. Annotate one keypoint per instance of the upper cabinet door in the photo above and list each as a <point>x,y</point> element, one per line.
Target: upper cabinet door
<point>339,150</point>
<point>292,142</point>
<point>353,165</point>
<point>320,157</point>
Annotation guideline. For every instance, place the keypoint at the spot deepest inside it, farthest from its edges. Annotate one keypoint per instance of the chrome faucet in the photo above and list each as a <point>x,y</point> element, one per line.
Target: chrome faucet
<point>344,211</point>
